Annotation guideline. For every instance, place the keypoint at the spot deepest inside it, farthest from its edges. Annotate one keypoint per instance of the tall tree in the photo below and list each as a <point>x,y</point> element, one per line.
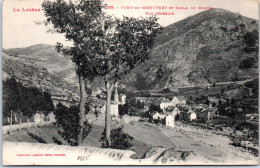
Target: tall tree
<point>10,98</point>
<point>78,21</point>
<point>103,45</point>
<point>126,44</point>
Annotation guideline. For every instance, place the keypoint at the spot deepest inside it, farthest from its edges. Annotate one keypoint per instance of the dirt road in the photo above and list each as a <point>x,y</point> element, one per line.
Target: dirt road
<point>213,147</point>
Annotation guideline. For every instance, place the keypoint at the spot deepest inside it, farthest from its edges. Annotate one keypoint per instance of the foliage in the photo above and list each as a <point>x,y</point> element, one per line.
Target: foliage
<point>140,83</point>
<point>123,109</point>
<point>119,139</point>
<point>247,63</point>
<point>251,38</point>
<point>131,107</point>
<point>68,119</point>
<point>10,96</point>
<point>254,85</point>
<point>103,45</point>
<point>159,72</point>
<point>154,107</point>
<point>145,94</point>
<point>37,138</point>
<point>250,42</point>
<point>24,100</point>
<point>213,104</point>
<point>201,100</point>
<point>55,140</point>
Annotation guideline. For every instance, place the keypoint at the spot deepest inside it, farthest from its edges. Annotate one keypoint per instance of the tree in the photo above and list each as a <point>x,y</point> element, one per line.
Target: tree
<point>213,104</point>
<point>78,22</point>
<point>15,99</point>
<point>247,63</point>
<point>159,72</point>
<point>30,103</point>
<point>103,45</point>
<point>48,103</point>
<point>145,94</point>
<point>125,48</point>
<point>123,109</point>
<point>10,98</point>
<point>119,139</point>
<point>67,118</point>
<point>25,101</point>
<point>140,83</point>
<point>250,41</point>
<point>154,107</point>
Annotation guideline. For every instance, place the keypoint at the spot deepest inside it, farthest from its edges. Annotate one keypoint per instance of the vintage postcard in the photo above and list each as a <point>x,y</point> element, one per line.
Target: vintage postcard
<point>130,82</point>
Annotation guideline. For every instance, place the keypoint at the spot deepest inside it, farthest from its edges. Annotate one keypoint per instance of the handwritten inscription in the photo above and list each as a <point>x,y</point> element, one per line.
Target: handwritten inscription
<point>83,158</point>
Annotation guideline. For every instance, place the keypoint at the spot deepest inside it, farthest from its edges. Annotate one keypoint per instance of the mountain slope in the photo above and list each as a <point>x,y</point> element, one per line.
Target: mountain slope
<point>200,49</point>
<point>197,50</point>
<point>41,66</point>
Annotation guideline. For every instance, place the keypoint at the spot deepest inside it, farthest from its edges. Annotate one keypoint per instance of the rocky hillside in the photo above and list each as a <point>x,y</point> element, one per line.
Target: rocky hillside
<point>41,66</point>
<point>200,49</point>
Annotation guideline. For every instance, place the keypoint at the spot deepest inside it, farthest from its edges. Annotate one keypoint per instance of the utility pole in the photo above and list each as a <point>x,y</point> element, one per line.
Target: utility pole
<point>11,121</point>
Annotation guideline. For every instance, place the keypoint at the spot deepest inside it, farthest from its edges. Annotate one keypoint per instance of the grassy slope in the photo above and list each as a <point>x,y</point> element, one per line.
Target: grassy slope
<point>47,133</point>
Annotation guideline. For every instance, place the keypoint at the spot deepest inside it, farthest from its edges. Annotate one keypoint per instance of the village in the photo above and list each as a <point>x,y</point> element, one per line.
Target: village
<point>196,103</point>
<point>165,106</point>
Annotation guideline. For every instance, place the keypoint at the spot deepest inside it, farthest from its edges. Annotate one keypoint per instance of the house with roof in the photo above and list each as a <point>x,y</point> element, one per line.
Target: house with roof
<point>123,99</point>
<point>146,108</point>
<point>169,121</point>
<point>171,117</point>
<point>165,103</point>
<point>155,115</point>
<point>178,100</point>
<point>176,111</point>
<point>114,111</point>
<point>212,113</point>
<point>191,115</point>
<point>203,114</point>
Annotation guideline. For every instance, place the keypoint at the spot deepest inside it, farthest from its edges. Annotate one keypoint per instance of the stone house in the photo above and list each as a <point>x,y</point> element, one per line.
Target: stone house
<point>165,103</point>
<point>114,112</point>
<point>178,100</point>
<point>155,115</point>
<point>191,115</point>
<point>169,121</point>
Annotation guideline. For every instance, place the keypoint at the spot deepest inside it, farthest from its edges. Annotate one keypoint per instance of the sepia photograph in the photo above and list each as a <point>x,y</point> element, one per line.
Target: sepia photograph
<point>130,82</point>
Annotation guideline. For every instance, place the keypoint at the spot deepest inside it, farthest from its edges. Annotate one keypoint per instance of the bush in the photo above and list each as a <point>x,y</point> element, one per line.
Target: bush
<point>247,63</point>
<point>55,140</point>
<point>119,139</point>
<point>37,138</point>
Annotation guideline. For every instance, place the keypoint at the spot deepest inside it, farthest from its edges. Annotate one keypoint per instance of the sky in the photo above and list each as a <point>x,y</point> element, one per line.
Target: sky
<point>19,28</point>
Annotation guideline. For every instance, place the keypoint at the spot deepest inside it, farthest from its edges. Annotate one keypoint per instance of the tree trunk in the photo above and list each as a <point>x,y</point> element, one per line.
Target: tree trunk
<point>27,122</point>
<point>34,122</point>
<point>11,121</point>
<point>108,116</point>
<point>82,109</point>
<point>40,118</point>
<point>20,121</point>
<point>116,99</point>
